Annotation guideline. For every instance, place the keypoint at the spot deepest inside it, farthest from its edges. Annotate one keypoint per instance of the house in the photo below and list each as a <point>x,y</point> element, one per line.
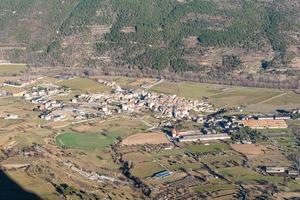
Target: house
<point>58,117</point>
<point>275,170</point>
<point>202,137</point>
<point>11,116</point>
<point>293,173</point>
<point>161,174</point>
<point>265,117</point>
<point>283,117</point>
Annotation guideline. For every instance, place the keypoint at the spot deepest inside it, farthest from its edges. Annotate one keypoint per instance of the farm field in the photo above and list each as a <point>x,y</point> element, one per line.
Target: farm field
<point>146,138</point>
<point>12,69</point>
<point>214,188</point>
<point>98,135</point>
<point>247,176</point>
<point>254,99</point>
<point>290,100</point>
<point>211,148</point>
<point>84,85</point>
<point>249,149</point>
<point>244,97</point>
<point>188,89</point>
<point>146,169</point>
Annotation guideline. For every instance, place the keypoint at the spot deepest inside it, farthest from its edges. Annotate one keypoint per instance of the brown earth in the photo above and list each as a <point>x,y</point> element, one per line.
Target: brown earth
<point>146,138</point>
<point>82,128</point>
<point>249,149</point>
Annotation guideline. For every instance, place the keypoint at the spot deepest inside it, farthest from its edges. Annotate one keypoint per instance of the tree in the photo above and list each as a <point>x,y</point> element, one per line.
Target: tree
<point>264,64</point>
<point>231,62</point>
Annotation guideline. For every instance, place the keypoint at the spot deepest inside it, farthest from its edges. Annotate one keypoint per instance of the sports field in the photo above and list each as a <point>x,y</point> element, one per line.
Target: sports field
<point>10,69</point>
<point>84,141</point>
<point>100,134</point>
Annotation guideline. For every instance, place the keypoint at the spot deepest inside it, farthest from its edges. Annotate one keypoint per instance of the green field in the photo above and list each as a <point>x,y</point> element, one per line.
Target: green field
<point>84,141</point>
<point>290,100</point>
<point>244,96</point>
<point>212,148</point>
<point>294,186</point>
<point>146,169</point>
<point>187,89</point>
<point>92,137</point>
<point>10,69</point>
<point>84,85</point>
<point>254,99</point>
<point>244,175</point>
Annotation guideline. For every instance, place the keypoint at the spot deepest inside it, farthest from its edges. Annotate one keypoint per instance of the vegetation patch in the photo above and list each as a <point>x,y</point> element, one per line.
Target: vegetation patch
<point>146,169</point>
<point>187,89</point>
<point>214,188</point>
<point>211,148</point>
<point>84,85</point>
<point>12,69</point>
<point>84,141</point>
<point>244,175</point>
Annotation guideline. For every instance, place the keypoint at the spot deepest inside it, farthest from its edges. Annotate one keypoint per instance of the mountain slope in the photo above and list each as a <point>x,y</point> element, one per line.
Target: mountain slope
<point>228,36</point>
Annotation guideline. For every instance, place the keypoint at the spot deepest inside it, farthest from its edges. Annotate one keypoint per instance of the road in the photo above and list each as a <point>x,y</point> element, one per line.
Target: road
<point>154,84</point>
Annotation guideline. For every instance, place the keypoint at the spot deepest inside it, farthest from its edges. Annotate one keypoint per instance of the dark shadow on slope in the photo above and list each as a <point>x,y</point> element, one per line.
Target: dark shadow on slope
<point>9,190</point>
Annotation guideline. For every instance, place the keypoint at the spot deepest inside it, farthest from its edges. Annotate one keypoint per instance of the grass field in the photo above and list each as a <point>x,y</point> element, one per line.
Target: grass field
<point>291,100</point>
<point>214,147</point>
<point>10,69</point>
<point>84,141</point>
<point>187,89</point>
<point>100,134</point>
<point>246,176</point>
<point>84,85</point>
<point>294,186</point>
<point>243,96</point>
<point>146,169</point>
<point>214,188</point>
<point>254,99</point>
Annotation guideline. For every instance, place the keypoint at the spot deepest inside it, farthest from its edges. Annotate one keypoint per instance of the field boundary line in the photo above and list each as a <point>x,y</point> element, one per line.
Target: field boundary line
<point>269,99</point>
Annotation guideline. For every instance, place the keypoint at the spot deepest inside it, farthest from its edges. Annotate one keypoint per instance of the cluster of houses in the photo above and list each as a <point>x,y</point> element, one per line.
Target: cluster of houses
<point>20,83</point>
<point>129,101</point>
<point>86,106</point>
<point>41,95</point>
<point>220,127</point>
<point>280,171</point>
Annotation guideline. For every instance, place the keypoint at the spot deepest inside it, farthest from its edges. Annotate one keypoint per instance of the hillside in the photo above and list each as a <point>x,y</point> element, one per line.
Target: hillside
<point>207,37</point>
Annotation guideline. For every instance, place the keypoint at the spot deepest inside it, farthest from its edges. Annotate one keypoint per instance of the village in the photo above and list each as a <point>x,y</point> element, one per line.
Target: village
<point>196,128</point>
